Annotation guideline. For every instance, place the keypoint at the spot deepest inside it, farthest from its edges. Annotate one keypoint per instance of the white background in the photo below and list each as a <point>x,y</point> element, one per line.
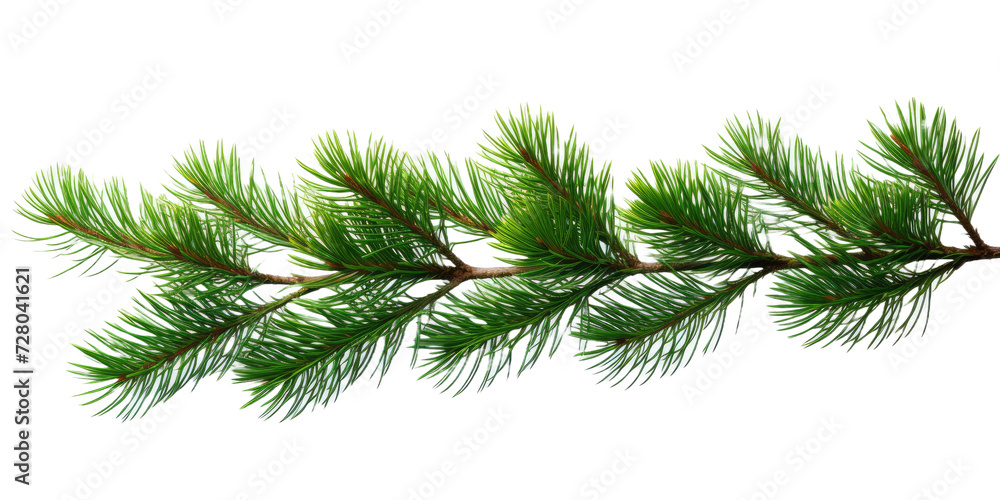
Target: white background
<point>902,417</point>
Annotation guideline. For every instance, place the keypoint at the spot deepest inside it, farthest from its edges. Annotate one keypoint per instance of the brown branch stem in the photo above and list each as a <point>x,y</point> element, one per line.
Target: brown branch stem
<point>771,262</point>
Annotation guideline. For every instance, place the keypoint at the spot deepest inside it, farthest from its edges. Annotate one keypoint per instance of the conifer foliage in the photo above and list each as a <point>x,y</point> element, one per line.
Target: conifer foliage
<point>379,236</point>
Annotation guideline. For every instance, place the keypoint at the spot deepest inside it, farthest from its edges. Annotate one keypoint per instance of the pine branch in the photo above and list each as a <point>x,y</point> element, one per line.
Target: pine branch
<point>889,216</point>
<point>274,216</point>
<point>479,332</point>
<point>170,341</point>
<point>792,177</point>
<point>382,183</point>
<point>691,216</point>
<point>177,240</point>
<point>377,225</point>
<point>936,157</point>
<point>539,167</point>
<point>856,300</point>
<point>477,209</point>
<point>309,359</point>
<point>646,329</point>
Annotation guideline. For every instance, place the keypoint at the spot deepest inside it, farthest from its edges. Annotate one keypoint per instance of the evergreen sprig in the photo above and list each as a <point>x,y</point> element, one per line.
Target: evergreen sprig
<point>377,227</point>
<point>689,216</point>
